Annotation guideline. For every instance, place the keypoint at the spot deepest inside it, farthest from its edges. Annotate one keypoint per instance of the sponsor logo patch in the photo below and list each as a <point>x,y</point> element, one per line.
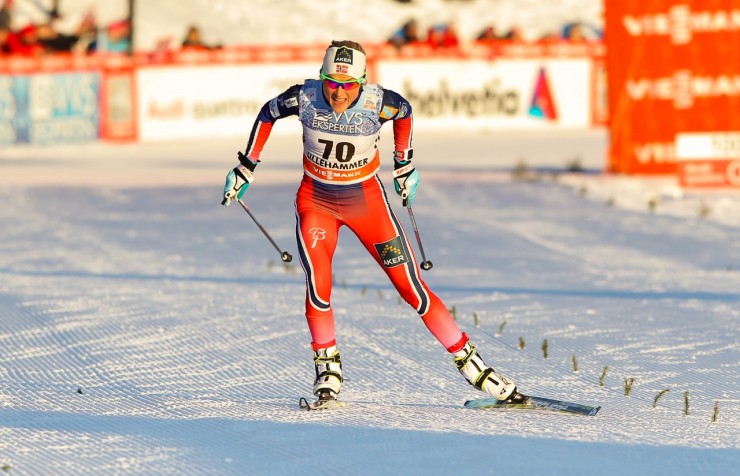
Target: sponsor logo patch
<point>343,55</point>
<point>388,112</point>
<point>404,110</point>
<point>316,234</point>
<point>391,253</point>
<point>274,111</point>
<point>371,102</point>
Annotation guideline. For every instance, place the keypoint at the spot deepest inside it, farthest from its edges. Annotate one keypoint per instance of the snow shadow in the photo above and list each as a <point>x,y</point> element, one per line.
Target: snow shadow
<point>229,446</point>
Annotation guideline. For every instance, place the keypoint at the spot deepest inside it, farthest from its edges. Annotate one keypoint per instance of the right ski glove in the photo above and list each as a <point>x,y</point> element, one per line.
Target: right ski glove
<point>405,180</point>
<point>238,180</point>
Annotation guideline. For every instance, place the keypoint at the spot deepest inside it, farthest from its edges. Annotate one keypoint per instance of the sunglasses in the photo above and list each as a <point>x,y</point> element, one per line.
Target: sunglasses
<point>346,85</point>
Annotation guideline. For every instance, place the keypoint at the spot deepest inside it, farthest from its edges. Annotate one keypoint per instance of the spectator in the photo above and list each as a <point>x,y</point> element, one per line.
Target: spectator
<point>550,37</point>
<point>407,34</point>
<point>4,37</point>
<point>194,40</point>
<point>443,36</point>
<point>577,32</point>
<point>574,33</point>
<point>487,34</point>
<point>53,41</point>
<point>515,34</point>
<point>116,38</point>
<point>25,42</point>
<point>87,34</point>
<point>5,15</point>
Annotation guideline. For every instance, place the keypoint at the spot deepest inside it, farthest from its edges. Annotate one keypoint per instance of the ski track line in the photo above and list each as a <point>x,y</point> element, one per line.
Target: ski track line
<point>568,250</point>
<point>121,392</point>
<point>169,365</point>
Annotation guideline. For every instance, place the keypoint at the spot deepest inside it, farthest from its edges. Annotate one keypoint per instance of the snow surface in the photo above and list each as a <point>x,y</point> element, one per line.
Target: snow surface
<point>145,329</point>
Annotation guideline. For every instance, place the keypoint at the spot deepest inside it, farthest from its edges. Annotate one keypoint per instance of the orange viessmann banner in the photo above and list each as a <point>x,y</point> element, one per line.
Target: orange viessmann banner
<point>673,67</point>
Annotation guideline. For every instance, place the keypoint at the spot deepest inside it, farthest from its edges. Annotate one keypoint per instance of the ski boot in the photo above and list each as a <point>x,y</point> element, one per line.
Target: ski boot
<point>328,381</point>
<point>478,374</point>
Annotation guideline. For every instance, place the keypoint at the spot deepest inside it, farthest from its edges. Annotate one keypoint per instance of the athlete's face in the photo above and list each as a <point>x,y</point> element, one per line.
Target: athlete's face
<point>341,96</point>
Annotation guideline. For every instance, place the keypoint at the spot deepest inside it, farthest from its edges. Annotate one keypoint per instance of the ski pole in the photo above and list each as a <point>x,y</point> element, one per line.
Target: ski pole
<point>284,255</point>
<point>425,265</point>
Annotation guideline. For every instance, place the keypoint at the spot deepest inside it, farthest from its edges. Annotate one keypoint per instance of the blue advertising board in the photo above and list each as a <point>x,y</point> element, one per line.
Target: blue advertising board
<point>49,108</point>
<point>13,110</point>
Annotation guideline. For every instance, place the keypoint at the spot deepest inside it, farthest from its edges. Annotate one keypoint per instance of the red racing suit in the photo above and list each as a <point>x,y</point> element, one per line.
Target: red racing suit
<point>340,187</point>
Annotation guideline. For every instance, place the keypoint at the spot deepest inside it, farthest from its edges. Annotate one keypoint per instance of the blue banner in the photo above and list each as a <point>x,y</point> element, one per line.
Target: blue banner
<point>49,108</point>
<point>13,110</point>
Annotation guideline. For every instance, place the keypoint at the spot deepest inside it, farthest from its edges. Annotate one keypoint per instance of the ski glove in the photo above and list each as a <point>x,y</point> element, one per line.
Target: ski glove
<point>238,180</point>
<point>406,181</point>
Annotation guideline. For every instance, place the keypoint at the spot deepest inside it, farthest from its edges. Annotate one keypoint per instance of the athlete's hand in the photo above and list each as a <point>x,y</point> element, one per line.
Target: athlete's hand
<point>237,182</point>
<point>406,181</point>
<point>238,179</point>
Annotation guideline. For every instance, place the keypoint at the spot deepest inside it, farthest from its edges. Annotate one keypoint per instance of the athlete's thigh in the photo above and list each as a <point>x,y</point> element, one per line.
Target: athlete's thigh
<point>316,232</point>
<point>380,231</point>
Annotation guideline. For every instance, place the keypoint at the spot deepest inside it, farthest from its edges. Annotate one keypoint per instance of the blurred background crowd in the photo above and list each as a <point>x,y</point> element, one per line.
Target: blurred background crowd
<point>35,39</point>
<point>90,36</point>
<point>445,35</point>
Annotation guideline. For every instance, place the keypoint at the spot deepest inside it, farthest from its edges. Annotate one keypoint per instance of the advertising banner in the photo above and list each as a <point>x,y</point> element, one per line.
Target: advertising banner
<point>709,160</point>
<point>708,114</point>
<point>53,108</point>
<point>63,108</point>
<point>118,104</point>
<point>13,110</point>
<point>211,101</point>
<point>672,68</point>
<point>218,101</point>
<point>640,66</point>
<point>504,94</point>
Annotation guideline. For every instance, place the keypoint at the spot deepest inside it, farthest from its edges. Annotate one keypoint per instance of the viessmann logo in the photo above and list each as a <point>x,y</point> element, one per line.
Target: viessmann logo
<point>683,87</point>
<point>680,23</point>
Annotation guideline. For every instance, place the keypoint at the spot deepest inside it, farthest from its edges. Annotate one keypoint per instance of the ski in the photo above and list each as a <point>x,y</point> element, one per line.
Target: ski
<point>529,402</point>
<point>320,404</point>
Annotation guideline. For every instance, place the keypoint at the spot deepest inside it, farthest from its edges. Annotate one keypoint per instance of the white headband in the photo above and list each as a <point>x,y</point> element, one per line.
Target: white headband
<point>344,60</point>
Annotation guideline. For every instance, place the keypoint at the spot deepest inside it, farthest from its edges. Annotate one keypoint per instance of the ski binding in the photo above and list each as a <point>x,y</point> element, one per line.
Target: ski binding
<point>326,401</point>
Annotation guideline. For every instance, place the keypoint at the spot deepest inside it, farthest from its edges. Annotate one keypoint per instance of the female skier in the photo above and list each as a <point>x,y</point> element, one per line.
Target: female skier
<point>341,114</point>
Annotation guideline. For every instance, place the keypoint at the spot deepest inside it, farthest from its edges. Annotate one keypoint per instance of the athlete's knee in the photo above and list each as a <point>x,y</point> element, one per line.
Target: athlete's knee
<point>317,299</point>
<point>316,315</point>
<point>409,296</point>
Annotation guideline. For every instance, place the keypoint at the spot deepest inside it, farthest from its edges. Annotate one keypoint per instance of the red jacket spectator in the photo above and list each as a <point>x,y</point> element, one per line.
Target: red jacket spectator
<point>25,42</point>
<point>443,36</point>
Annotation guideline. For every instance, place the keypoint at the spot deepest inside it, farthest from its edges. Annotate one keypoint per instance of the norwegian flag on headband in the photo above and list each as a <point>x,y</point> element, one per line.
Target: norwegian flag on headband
<point>342,68</point>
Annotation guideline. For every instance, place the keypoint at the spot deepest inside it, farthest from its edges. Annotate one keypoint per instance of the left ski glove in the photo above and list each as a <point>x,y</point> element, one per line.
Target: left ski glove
<point>238,180</point>
<point>406,180</point>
